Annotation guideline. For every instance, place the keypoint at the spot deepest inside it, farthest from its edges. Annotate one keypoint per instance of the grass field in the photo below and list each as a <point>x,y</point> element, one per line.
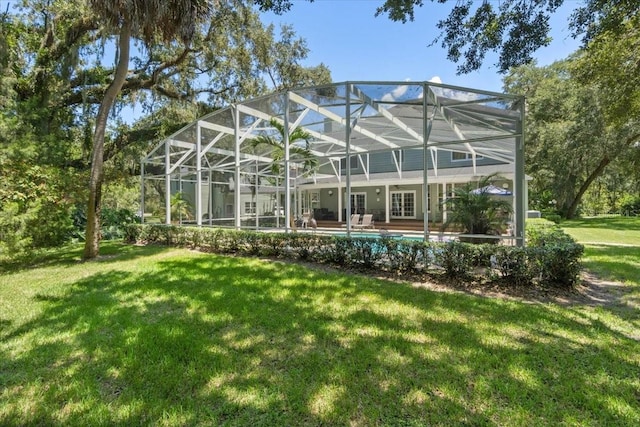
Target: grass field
<point>613,230</point>
<point>612,246</point>
<point>159,336</point>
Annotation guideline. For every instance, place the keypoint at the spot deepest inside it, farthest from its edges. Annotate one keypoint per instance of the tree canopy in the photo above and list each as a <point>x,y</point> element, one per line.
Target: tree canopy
<point>59,57</point>
<point>514,29</point>
<point>572,136</point>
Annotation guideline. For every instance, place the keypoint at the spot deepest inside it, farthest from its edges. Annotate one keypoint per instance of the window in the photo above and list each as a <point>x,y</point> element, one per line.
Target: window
<point>249,207</point>
<point>456,156</point>
<point>353,162</point>
<point>403,204</point>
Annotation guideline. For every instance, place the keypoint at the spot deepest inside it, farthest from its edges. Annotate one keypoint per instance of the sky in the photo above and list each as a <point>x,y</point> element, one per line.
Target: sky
<point>346,36</point>
<point>355,45</point>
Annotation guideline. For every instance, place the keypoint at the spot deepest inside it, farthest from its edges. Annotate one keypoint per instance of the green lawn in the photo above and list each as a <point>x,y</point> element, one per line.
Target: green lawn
<point>161,336</point>
<point>614,230</point>
<point>612,246</point>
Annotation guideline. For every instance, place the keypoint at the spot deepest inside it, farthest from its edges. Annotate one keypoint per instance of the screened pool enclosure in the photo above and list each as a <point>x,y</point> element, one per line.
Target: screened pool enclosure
<point>394,150</point>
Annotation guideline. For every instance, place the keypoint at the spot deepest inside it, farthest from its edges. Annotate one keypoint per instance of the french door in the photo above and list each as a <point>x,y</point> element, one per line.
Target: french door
<point>403,204</point>
<point>359,202</point>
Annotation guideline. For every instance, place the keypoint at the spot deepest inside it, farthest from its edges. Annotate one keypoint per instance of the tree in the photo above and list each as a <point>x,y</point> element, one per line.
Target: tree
<point>61,66</point>
<point>611,64</point>
<point>36,197</point>
<point>514,29</point>
<point>570,137</point>
<point>276,149</point>
<point>275,146</point>
<point>476,210</point>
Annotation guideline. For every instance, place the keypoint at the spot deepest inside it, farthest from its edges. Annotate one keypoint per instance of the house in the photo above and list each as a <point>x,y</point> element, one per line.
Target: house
<point>392,149</point>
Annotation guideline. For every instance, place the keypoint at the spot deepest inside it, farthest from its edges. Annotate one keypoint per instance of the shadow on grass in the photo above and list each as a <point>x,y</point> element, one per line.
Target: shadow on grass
<point>72,255</point>
<point>206,339</point>
<point>619,263</point>
<point>613,223</point>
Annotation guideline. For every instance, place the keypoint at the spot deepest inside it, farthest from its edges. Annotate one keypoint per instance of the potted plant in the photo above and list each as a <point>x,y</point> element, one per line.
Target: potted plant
<point>478,208</point>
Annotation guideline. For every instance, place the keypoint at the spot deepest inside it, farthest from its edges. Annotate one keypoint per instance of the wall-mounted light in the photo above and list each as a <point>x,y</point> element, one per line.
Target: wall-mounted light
<point>330,192</point>
<point>377,191</point>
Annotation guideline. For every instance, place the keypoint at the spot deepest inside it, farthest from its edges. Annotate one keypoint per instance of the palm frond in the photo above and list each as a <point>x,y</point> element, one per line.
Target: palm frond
<point>477,212</point>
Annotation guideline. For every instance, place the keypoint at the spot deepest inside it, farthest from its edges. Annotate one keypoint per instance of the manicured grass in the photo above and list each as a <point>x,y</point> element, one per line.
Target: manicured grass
<point>612,246</point>
<point>172,337</point>
<point>612,230</point>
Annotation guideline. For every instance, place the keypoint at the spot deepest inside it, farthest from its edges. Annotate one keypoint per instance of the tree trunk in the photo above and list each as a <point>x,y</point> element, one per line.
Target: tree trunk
<point>573,207</point>
<point>92,242</point>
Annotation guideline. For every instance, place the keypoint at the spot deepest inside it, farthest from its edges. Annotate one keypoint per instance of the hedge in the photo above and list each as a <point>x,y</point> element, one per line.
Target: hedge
<point>555,262</point>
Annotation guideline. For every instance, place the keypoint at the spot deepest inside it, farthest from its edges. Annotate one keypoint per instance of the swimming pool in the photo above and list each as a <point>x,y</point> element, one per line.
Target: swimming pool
<point>392,235</point>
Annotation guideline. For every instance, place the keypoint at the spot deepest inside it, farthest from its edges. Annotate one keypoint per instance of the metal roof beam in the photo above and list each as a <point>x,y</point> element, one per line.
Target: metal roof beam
<point>385,113</point>
<point>184,157</point>
<point>342,120</point>
<point>265,116</point>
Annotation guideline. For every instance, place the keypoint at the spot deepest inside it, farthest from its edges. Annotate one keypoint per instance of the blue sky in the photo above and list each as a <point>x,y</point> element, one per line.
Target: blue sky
<point>355,45</point>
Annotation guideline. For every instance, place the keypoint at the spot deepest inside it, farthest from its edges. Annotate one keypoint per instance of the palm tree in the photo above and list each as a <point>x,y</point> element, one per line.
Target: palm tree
<point>146,20</point>
<point>296,152</point>
<point>474,209</point>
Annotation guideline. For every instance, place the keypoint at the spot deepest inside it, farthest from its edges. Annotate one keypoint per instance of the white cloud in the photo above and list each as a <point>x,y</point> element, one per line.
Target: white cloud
<point>435,79</point>
<point>396,93</point>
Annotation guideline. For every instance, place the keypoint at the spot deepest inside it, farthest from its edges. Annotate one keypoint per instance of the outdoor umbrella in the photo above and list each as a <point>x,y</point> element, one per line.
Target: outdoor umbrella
<point>493,190</point>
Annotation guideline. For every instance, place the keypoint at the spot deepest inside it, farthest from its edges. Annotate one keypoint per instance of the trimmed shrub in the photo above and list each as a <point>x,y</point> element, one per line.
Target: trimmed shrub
<point>406,255</point>
<point>555,218</point>
<point>132,233</point>
<point>630,206</point>
<point>558,265</point>
<point>482,254</point>
<point>541,232</point>
<point>337,251</point>
<point>365,252</point>
<point>303,246</point>
<point>251,243</point>
<point>273,244</point>
<point>555,262</point>
<point>455,258</point>
<point>514,264</point>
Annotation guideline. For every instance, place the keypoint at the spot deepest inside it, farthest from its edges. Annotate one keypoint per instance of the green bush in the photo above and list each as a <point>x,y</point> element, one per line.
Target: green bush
<point>14,237</point>
<point>514,264</point>
<point>366,251</point>
<point>36,204</point>
<point>132,233</point>
<point>273,244</point>
<point>542,232</point>
<point>455,258</point>
<point>406,255</point>
<point>337,251</point>
<point>555,218</point>
<point>113,223</point>
<point>558,265</point>
<point>554,261</point>
<point>630,206</point>
<point>303,246</point>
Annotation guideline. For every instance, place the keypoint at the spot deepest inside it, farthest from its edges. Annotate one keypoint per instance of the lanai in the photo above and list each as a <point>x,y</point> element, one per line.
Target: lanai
<point>215,159</point>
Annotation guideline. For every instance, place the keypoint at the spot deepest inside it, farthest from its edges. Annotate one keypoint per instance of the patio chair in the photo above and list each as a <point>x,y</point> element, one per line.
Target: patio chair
<point>355,220</point>
<point>305,219</point>
<point>367,221</point>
